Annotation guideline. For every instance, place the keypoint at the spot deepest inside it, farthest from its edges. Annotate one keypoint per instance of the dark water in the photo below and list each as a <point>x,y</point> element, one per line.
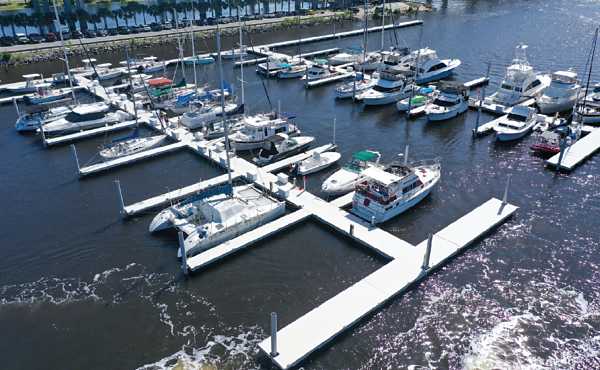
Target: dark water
<point>80,288</point>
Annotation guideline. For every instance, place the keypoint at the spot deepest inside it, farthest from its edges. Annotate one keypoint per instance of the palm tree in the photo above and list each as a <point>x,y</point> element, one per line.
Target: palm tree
<point>116,14</point>
<point>154,10</point>
<point>22,19</point>
<point>82,17</point>
<point>3,22</point>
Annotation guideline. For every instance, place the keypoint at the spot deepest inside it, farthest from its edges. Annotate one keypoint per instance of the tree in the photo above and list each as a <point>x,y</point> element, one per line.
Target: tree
<point>154,11</point>
<point>82,17</point>
<point>3,22</point>
<point>22,20</point>
<point>116,14</point>
<point>104,13</point>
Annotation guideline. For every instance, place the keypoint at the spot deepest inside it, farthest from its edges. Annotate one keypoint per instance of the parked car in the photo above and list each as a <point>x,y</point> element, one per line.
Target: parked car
<point>89,34</point>
<point>211,21</point>
<point>7,41</point>
<point>51,37</point>
<point>113,31</point>
<point>122,30</point>
<point>77,34</point>
<point>167,26</point>
<point>146,29</point>
<point>21,38</point>
<point>102,33</point>
<point>66,35</point>
<point>155,27</point>
<point>36,38</point>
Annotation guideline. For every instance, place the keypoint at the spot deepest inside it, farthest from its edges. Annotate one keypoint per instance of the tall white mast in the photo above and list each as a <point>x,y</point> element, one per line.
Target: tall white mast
<point>225,126</point>
<point>383,25</point>
<point>62,45</point>
<point>241,57</point>
<point>194,60</point>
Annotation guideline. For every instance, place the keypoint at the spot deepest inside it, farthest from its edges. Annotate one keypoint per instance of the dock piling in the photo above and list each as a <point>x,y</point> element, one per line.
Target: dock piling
<point>76,158</point>
<point>184,265</point>
<point>351,229</point>
<point>425,265</point>
<point>274,352</point>
<point>120,194</point>
<point>16,106</point>
<point>505,197</point>
<point>406,155</point>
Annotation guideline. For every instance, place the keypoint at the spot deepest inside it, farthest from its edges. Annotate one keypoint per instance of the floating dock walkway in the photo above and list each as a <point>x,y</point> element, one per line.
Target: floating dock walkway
<point>576,153</point>
<point>321,325</point>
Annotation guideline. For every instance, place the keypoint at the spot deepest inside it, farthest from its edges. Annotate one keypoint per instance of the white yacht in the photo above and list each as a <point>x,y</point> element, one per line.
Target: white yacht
<point>83,117</point>
<point>519,84</point>
<point>235,54</point>
<point>386,193</point>
<point>275,63</point>
<point>392,85</point>
<point>258,129</point>
<point>516,124</point>
<point>291,71</point>
<point>147,65</point>
<point>281,146</point>
<point>451,102</point>
<point>202,114</point>
<point>131,146</point>
<point>45,94</point>
<point>343,180</point>
<point>350,55</point>
<point>104,72</point>
<point>218,215</point>
<point>317,162</point>
<point>318,70</point>
<point>353,88</point>
<point>562,93</point>
<point>430,66</point>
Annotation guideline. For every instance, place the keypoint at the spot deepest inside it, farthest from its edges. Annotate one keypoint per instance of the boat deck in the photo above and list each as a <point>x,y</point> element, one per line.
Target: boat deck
<point>88,133</point>
<point>576,153</point>
<point>316,328</point>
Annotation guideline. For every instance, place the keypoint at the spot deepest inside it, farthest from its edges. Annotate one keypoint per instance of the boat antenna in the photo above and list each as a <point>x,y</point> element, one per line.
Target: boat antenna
<point>589,77</point>
<point>131,86</point>
<point>223,113</point>
<point>241,55</point>
<point>62,45</point>
<point>383,25</point>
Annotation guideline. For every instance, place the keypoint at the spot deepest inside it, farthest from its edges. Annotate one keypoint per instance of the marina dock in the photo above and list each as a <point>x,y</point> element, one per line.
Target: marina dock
<point>576,153</point>
<point>321,325</point>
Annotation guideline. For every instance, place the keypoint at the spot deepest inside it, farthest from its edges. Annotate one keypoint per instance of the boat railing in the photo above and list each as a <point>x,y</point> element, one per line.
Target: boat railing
<point>431,162</point>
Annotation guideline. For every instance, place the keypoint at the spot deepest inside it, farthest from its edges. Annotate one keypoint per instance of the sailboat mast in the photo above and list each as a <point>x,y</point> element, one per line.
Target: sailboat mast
<point>223,114</point>
<point>131,86</point>
<point>180,49</point>
<point>589,77</point>
<point>383,25</point>
<point>62,45</point>
<point>194,60</point>
<point>366,10</point>
<point>241,55</point>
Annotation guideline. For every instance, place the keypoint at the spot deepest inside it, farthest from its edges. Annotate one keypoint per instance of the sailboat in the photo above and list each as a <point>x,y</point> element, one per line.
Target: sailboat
<point>221,213</point>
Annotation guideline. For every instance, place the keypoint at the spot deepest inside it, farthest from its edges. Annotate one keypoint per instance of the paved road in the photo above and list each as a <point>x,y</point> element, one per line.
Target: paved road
<point>100,40</point>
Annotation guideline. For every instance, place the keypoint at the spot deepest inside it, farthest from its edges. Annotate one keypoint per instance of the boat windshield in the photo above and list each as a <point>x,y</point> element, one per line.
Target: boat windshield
<point>74,117</point>
<point>444,103</point>
<point>385,89</point>
<point>356,165</point>
<point>516,117</point>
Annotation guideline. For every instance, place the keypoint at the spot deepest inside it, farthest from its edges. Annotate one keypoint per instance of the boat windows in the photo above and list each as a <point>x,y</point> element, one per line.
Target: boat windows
<point>444,103</point>
<point>385,89</point>
<point>516,117</point>
<point>533,84</point>
<point>411,186</point>
<point>74,117</point>
<point>506,87</point>
<point>437,67</point>
<point>279,129</point>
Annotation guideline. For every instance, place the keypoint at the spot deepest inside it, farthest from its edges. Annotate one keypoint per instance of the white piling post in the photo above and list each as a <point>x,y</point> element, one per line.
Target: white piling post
<point>43,134</point>
<point>354,88</point>
<point>351,229</point>
<point>184,266</point>
<point>563,145</point>
<point>274,352</point>
<point>303,182</point>
<point>16,106</point>
<point>372,220</point>
<point>406,155</point>
<point>76,158</point>
<point>334,119</point>
<point>425,265</point>
<point>278,108</point>
<point>120,194</point>
<point>505,197</point>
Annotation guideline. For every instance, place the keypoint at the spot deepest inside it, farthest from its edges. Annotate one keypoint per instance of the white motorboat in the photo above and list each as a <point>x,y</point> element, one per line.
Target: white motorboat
<point>516,124</point>
<point>83,117</point>
<point>343,180</point>
<point>147,65</point>
<point>371,62</point>
<point>392,85</point>
<point>31,83</point>
<point>317,162</point>
<point>292,71</point>
<point>386,193</point>
<point>562,93</point>
<point>45,94</point>
<point>275,63</point>
<point>360,84</point>
<point>588,114</point>
<point>451,102</point>
<point>131,146</point>
<point>258,129</point>
<point>199,60</point>
<point>318,70</point>
<point>203,114</point>
<point>519,84</point>
<point>281,146</point>
<point>86,70</point>
<point>33,121</point>
<point>218,215</point>
<point>351,55</point>
<point>104,72</point>
<point>430,66</point>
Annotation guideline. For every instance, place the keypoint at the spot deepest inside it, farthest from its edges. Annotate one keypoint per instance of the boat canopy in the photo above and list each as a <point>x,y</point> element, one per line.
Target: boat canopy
<point>159,81</point>
<point>365,155</point>
<point>381,176</point>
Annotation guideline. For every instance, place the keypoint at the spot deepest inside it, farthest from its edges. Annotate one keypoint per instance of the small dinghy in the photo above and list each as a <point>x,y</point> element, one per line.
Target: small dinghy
<point>131,146</point>
<point>317,162</point>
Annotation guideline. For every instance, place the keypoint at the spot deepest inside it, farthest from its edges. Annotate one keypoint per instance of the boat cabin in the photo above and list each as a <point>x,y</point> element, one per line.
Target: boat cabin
<point>385,186</point>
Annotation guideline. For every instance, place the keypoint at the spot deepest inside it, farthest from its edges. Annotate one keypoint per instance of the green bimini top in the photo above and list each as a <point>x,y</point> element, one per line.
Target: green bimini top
<point>365,155</point>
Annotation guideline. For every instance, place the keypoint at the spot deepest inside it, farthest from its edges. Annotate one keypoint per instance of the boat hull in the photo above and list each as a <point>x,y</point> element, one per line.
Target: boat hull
<point>511,136</point>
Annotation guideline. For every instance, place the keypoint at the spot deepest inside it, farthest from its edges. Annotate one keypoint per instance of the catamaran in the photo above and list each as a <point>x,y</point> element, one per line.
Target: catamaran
<point>385,193</point>
<point>343,180</point>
